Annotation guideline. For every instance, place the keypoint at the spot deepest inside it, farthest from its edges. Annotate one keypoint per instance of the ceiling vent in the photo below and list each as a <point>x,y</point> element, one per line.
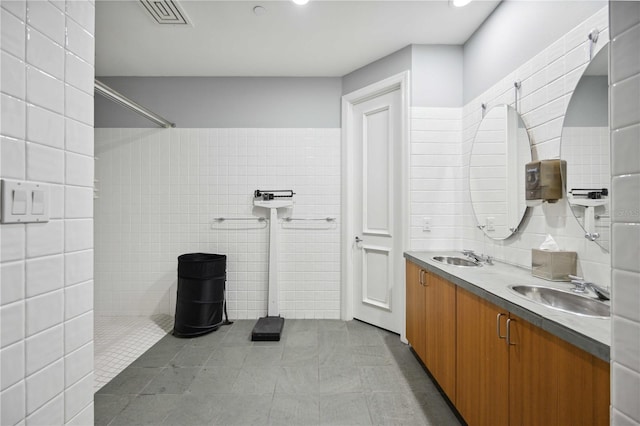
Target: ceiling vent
<point>166,12</point>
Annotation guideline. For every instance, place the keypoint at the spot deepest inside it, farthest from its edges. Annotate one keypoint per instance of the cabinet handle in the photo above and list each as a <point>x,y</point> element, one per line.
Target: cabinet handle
<point>424,278</point>
<point>509,333</point>
<point>500,336</point>
<point>421,275</point>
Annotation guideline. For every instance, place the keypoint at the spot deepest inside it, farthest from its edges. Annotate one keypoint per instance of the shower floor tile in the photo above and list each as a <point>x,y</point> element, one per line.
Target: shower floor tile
<point>118,341</point>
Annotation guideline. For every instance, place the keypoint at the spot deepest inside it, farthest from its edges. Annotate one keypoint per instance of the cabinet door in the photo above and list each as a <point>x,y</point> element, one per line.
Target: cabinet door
<point>583,387</point>
<point>440,310</point>
<point>415,310</point>
<point>533,375</point>
<point>482,378</point>
<point>552,382</point>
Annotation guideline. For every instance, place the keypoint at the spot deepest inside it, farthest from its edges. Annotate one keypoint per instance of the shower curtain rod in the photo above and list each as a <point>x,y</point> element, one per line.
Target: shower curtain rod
<point>112,95</point>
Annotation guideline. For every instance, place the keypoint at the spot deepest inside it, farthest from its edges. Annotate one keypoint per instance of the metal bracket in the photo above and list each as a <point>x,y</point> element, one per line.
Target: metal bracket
<point>593,39</point>
<point>592,236</point>
<point>517,85</point>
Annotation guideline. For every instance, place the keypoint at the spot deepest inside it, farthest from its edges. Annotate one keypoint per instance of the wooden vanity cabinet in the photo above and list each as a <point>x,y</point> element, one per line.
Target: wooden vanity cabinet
<point>497,368</point>
<point>415,309</point>
<point>552,382</point>
<point>533,378</point>
<point>431,324</point>
<point>482,376</point>
<point>440,343</point>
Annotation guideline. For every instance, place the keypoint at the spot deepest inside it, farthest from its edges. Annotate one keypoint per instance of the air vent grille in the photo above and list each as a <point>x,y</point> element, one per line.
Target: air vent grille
<point>165,12</point>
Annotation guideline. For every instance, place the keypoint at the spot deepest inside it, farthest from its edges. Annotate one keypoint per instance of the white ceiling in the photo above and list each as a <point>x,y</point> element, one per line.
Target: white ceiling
<point>323,38</point>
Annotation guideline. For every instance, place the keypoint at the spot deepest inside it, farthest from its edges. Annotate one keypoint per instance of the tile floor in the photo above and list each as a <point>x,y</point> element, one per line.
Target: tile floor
<point>118,341</point>
<point>322,372</point>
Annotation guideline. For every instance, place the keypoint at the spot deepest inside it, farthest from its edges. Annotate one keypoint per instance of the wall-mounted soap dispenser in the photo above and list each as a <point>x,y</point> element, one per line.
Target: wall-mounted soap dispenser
<point>544,181</point>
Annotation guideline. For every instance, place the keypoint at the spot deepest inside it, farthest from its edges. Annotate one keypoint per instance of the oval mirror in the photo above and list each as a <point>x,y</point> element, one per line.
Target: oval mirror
<point>500,150</point>
<point>585,148</point>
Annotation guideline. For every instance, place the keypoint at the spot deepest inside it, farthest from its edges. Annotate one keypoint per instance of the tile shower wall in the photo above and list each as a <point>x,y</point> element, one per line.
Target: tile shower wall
<point>159,192</point>
<point>548,81</point>
<point>625,171</point>
<point>46,135</point>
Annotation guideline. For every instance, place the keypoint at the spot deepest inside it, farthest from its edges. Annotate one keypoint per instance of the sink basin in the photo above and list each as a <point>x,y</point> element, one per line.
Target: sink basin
<point>457,261</point>
<point>563,300</point>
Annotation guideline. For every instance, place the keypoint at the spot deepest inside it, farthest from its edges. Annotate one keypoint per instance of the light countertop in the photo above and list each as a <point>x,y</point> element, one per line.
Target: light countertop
<point>490,282</point>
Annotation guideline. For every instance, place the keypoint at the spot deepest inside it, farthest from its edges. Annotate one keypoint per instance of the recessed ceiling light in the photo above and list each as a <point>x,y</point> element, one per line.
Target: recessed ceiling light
<point>460,3</point>
<point>300,2</point>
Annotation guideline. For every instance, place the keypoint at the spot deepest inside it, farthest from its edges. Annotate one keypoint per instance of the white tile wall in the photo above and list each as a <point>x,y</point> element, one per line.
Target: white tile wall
<point>44,348</point>
<point>12,33</point>
<point>41,141</point>
<point>12,365</point>
<point>441,140</point>
<point>13,157</point>
<point>436,182</point>
<point>45,127</point>
<point>12,325</point>
<point>13,117</point>
<point>12,280</point>
<point>548,80</point>
<point>78,363</point>
<point>45,90</point>
<point>51,413</point>
<point>44,274</point>
<point>160,190</point>
<point>45,238</point>
<point>78,332</point>
<point>45,54</point>
<point>625,154</point>
<point>13,75</point>
<point>45,17</point>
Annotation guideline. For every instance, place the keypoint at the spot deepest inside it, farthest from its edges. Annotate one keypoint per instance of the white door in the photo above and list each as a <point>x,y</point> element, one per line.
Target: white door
<point>377,135</point>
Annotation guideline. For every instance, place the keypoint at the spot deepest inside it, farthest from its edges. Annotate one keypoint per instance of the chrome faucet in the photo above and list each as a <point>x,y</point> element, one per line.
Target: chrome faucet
<point>478,257</point>
<point>581,286</point>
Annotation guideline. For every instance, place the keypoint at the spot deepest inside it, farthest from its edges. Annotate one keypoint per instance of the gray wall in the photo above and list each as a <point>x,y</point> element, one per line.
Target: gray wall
<point>515,32</point>
<point>219,102</point>
<point>436,76</point>
<point>589,105</point>
<point>392,64</point>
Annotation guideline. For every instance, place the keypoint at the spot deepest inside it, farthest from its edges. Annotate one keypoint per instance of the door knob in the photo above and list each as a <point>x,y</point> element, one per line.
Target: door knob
<point>358,239</point>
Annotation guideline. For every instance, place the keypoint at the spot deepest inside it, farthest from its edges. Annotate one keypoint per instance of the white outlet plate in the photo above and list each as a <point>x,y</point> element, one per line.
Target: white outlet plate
<point>491,224</point>
<point>36,199</point>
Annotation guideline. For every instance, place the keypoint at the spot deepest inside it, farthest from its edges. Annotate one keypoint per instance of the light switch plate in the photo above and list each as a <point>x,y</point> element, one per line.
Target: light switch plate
<point>24,202</point>
<point>19,201</point>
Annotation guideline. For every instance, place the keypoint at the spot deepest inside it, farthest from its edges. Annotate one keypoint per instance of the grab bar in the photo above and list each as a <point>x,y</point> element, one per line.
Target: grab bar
<point>324,219</point>
<point>222,219</point>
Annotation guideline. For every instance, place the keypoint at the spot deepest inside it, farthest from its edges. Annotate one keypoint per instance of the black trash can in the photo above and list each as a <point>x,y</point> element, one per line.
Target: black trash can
<point>200,300</point>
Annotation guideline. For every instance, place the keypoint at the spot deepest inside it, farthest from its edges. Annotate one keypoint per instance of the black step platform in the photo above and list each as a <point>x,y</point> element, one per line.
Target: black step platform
<point>267,329</point>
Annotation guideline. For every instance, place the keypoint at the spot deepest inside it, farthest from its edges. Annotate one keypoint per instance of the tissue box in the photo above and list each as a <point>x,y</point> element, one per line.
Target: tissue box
<point>553,265</point>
